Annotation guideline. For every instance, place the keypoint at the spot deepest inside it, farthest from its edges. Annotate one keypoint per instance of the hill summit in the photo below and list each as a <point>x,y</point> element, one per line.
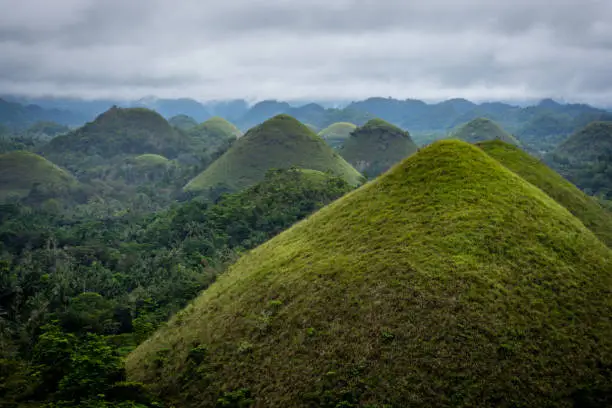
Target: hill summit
<point>481,130</point>
<point>337,133</point>
<point>214,134</point>
<point>448,281</point>
<point>120,131</point>
<point>376,146</point>
<point>20,171</point>
<point>280,142</point>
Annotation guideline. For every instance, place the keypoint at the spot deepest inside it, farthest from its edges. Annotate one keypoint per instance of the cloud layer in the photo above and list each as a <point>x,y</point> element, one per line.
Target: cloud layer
<point>290,49</point>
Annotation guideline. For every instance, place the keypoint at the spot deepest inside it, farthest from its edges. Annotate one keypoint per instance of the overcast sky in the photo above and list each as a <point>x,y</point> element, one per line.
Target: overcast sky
<point>308,49</point>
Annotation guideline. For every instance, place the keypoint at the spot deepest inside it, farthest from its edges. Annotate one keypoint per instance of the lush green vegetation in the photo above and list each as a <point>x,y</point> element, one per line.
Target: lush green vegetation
<point>21,172</point>
<point>586,209</point>
<point>215,135</point>
<point>449,281</point>
<point>280,142</point>
<point>336,134</point>
<point>80,289</point>
<point>586,159</point>
<point>183,122</point>
<point>480,130</point>
<point>376,146</point>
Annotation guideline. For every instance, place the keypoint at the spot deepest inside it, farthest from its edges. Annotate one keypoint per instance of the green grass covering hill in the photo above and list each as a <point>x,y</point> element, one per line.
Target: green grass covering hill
<point>585,208</point>
<point>376,146</point>
<point>119,131</point>
<point>585,158</point>
<point>481,130</point>
<point>149,160</point>
<point>215,134</point>
<point>280,142</point>
<point>183,122</point>
<point>20,171</point>
<point>448,281</point>
<point>336,134</point>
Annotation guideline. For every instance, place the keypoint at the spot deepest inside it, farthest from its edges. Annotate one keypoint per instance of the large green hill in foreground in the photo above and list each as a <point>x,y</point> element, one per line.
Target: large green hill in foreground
<point>20,171</point>
<point>481,130</point>
<point>280,142</point>
<point>585,208</point>
<point>448,281</point>
<point>376,146</point>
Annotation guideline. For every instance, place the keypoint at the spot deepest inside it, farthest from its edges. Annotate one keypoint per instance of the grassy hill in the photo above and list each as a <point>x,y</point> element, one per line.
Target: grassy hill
<point>585,208</point>
<point>280,142</point>
<point>183,122</point>
<point>376,146</point>
<point>448,281</point>
<point>214,134</point>
<point>336,134</point>
<point>585,158</point>
<point>120,131</point>
<point>482,129</point>
<point>20,171</point>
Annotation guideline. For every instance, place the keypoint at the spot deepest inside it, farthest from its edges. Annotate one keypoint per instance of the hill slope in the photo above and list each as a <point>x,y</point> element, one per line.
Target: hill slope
<point>448,281</point>
<point>585,158</point>
<point>183,122</point>
<point>280,142</point>
<point>583,207</point>
<point>120,131</point>
<point>336,134</point>
<point>482,129</point>
<point>214,134</point>
<point>376,146</point>
<point>20,171</point>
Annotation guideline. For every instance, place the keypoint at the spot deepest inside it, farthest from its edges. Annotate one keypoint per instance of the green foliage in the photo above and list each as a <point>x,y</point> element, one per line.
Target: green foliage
<point>235,399</point>
<point>586,159</point>
<point>376,146</point>
<point>482,129</point>
<point>183,122</point>
<point>492,291</point>
<point>336,134</point>
<point>281,142</point>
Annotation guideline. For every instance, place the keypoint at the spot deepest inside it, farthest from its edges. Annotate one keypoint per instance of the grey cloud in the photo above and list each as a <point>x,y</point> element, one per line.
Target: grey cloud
<point>288,49</point>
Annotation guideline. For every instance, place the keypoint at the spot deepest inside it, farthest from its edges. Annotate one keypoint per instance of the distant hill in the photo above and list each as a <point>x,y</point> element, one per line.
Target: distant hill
<point>336,134</point>
<point>482,129</point>
<point>18,116</point>
<point>183,122</point>
<point>214,135</point>
<point>448,281</point>
<point>21,171</point>
<point>583,207</point>
<point>120,131</point>
<point>585,159</point>
<point>376,146</point>
<point>280,142</point>
<point>169,108</point>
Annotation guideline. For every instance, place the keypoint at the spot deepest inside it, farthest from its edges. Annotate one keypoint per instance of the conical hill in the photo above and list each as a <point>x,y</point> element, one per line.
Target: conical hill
<point>337,133</point>
<point>20,171</point>
<point>585,208</point>
<point>448,281</point>
<point>481,130</point>
<point>280,142</point>
<point>376,146</point>
<point>214,134</point>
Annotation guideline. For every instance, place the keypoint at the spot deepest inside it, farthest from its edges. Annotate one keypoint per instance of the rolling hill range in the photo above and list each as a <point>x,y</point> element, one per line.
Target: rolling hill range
<point>280,142</point>
<point>448,281</point>
<point>119,131</point>
<point>336,134</point>
<point>583,207</point>
<point>183,122</point>
<point>20,171</point>
<point>585,158</point>
<point>482,129</point>
<point>376,146</point>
